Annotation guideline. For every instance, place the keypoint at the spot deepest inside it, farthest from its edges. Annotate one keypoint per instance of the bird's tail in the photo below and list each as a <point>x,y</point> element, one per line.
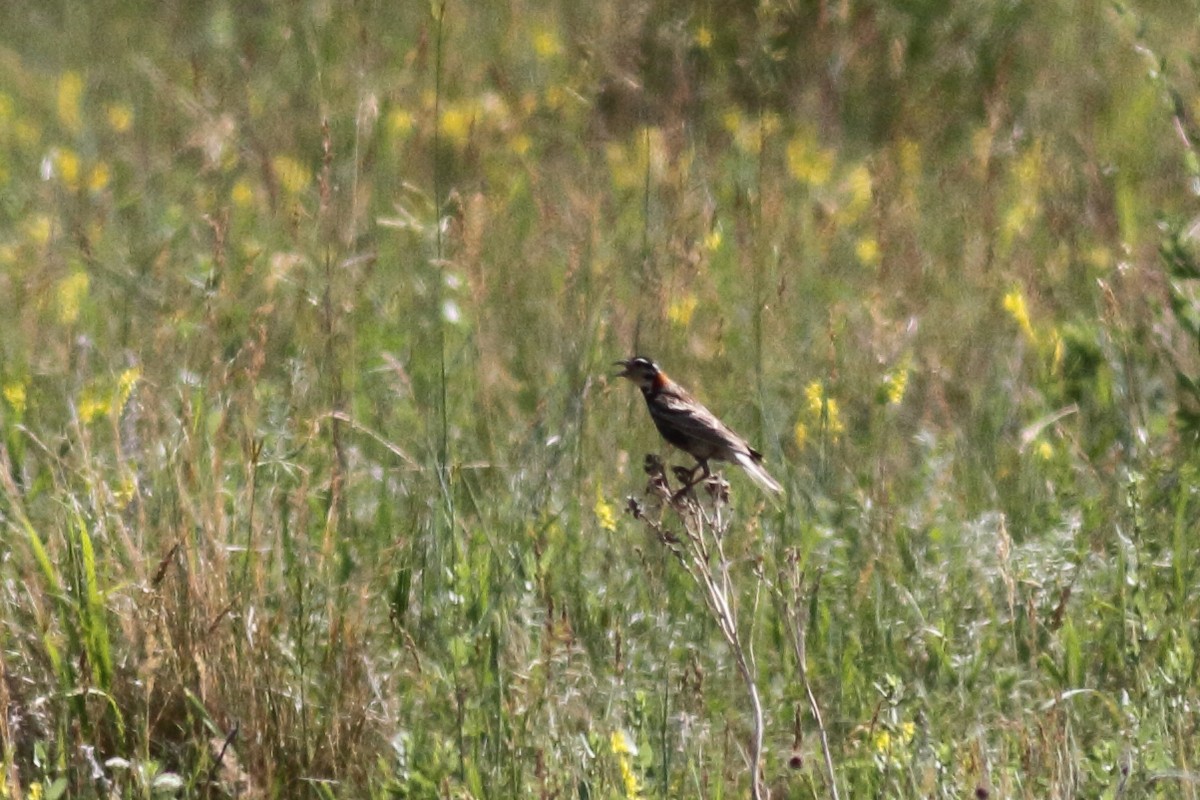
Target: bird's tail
<point>759,473</point>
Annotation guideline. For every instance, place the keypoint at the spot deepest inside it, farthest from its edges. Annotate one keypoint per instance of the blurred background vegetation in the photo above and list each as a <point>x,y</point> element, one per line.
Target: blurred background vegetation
<point>313,469</point>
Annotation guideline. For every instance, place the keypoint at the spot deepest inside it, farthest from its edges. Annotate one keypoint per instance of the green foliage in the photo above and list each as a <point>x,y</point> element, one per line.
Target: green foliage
<point>312,473</point>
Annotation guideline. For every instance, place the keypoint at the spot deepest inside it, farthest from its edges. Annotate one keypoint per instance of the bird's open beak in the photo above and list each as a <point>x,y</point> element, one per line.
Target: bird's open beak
<point>623,373</point>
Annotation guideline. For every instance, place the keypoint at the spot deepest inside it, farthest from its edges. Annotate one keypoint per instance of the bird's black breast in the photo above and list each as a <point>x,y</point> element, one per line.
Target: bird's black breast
<point>669,429</point>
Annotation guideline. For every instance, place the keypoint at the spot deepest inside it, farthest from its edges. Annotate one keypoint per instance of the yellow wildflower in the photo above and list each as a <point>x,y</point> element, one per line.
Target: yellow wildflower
<point>703,37</point>
<point>1099,257</point>
<point>713,240</point>
<point>125,383</point>
<point>822,410</point>
<point>1018,217</point>
<point>619,743</point>
<point>858,184</point>
<point>520,144</point>
<point>1044,450</point>
<point>800,432</point>
<point>866,250</point>
<point>456,124</point>
<point>769,123</point>
<point>556,95</point>
<point>808,162</point>
<point>242,193</point>
<point>833,419</point>
<point>680,310</point>
<point>38,229</point>
<point>731,120</point>
<point>292,175</point>
<point>67,165</point>
<point>605,515</point>
<point>546,43</point>
<point>98,177</point>
<point>14,395</point>
<point>747,134</point>
<point>887,743</point>
<point>1028,169</point>
<point>1027,173</point>
<point>1014,304</point>
<point>124,489</point>
<point>814,393</point>
<point>69,295</point>
<point>93,403</point>
<point>400,122</point>
<point>623,748</point>
<point>120,117</point>
<point>896,383</point>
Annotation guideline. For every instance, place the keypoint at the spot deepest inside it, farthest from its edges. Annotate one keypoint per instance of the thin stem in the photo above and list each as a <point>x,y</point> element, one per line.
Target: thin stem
<point>727,621</point>
<point>443,450</point>
<point>439,195</point>
<point>701,546</point>
<point>799,636</point>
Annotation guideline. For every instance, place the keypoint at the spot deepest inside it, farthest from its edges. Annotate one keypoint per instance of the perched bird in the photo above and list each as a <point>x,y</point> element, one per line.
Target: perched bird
<point>687,424</point>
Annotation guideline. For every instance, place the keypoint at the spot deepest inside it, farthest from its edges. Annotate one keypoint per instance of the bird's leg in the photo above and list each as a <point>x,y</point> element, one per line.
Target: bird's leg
<point>692,480</point>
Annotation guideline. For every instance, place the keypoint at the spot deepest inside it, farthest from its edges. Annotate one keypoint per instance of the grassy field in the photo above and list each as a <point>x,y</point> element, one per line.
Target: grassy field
<point>315,480</point>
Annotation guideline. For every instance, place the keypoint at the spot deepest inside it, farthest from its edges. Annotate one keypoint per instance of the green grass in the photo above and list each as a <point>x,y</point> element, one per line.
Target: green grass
<point>312,467</point>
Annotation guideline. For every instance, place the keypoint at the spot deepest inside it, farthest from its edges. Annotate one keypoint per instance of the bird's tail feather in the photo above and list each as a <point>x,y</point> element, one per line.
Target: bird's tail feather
<point>759,473</point>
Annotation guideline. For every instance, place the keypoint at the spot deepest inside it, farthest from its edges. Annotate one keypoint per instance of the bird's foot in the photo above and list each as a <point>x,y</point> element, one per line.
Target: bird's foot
<point>717,488</point>
<point>688,477</point>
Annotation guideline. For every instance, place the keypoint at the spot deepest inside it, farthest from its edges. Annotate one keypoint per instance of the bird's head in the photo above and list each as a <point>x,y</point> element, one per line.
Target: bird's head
<point>642,371</point>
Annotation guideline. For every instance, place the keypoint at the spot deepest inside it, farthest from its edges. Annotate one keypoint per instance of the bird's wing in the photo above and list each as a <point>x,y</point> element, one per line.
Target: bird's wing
<point>679,409</point>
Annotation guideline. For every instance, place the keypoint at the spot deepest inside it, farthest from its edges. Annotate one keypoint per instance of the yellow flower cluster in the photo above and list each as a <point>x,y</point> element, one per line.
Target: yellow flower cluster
<point>70,294</point>
<point>97,400</point>
<point>896,382</point>
<point>70,171</point>
<point>808,162</point>
<point>546,44</point>
<point>622,748</point>
<point>681,309</point>
<point>1014,304</point>
<point>820,412</point>
<point>887,744</point>
<point>866,250</point>
<point>242,193</point>
<point>1026,204</point>
<point>120,117</point>
<point>14,395</point>
<point>292,175</point>
<point>748,132</point>
<point>606,516</point>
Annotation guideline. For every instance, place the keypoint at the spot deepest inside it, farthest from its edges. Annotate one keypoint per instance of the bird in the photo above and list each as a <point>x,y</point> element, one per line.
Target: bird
<point>685,423</point>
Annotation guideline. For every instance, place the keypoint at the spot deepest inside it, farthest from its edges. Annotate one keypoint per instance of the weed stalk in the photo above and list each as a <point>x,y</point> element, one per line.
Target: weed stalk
<point>791,590</point>
<point>700,550</point>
